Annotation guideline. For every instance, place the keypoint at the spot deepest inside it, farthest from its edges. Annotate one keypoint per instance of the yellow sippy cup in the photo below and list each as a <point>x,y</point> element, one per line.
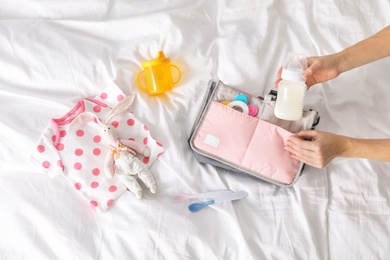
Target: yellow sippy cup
<point>158,74</point>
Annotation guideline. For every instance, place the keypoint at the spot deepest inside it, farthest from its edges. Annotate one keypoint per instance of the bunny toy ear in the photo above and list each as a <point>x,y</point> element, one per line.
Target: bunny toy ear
<point>84,118</point>
<point>122,106</point>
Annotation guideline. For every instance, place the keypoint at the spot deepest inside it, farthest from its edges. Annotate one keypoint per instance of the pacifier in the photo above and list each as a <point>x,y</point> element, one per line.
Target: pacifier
<point>239,106</point>
<point>158,75</point>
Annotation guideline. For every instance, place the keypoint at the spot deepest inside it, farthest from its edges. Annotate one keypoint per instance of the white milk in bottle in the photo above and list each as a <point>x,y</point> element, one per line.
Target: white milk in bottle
<point>292,88</point>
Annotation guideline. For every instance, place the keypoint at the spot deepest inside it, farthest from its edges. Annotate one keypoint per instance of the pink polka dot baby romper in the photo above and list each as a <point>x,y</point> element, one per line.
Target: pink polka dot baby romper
<point>78,153</point>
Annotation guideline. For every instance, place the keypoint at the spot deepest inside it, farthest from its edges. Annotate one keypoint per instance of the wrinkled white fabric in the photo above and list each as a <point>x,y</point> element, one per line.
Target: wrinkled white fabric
<point>53,53</point>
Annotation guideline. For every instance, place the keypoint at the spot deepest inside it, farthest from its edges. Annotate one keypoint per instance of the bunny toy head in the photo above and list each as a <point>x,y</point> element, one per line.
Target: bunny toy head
<point>110,133</point>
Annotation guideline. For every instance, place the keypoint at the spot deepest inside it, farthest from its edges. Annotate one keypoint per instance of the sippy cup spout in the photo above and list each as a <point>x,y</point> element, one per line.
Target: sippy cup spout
<point>160,55</point>
<point>160,59</point>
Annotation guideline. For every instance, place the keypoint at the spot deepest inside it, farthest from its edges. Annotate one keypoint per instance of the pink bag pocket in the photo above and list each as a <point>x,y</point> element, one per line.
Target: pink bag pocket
<point>246,143</point>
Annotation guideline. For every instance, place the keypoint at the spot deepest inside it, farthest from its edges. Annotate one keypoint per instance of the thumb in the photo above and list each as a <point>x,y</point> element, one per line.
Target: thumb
<point>309,71</point>
<point>313,66</point>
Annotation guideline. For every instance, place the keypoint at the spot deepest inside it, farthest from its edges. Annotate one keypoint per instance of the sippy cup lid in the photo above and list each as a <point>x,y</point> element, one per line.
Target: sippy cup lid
<point>159,60</point>
<point>294,66</point>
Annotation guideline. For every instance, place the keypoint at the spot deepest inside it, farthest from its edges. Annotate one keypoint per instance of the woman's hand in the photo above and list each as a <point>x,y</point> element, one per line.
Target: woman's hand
<point>320,150</point>
<point>324,146</point>
<point>324,68</point>
<point>320,69</point>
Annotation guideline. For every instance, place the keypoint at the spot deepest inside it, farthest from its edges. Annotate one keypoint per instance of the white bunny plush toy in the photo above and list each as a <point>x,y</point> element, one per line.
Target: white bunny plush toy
<point>121,157</point>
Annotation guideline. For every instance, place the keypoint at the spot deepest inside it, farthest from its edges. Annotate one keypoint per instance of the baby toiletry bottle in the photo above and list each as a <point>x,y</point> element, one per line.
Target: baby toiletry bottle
<point>292,88</point>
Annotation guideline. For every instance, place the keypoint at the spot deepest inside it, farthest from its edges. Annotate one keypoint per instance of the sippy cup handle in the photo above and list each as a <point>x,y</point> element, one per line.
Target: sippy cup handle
<point>139,83</point>
<point>178,71</point>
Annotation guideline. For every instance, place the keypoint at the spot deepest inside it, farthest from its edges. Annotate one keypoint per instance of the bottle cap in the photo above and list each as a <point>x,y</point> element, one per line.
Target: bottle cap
<point>159,60</point>
<point>294,66</point>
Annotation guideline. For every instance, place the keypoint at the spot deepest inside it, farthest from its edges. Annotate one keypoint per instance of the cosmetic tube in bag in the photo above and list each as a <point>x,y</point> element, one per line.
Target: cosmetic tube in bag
<point>292,88</point>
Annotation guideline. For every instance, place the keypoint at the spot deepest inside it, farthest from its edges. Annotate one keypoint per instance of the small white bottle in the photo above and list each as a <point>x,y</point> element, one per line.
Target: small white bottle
<point>292,88</point>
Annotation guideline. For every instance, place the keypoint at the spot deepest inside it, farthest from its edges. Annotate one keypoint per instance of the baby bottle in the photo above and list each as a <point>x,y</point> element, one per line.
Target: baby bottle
<point>158,74</point>
<point>292,88</point>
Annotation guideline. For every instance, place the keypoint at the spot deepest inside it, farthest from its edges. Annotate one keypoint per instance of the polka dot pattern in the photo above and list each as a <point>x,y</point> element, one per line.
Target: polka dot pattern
<point>97,109</point>
<point>62,133</point>
<point>60,147</point>
<point>79,133</point>
<point>81,151</point>
<point>112,188</point>
<point>78,186</point>
<point>115,124</point>
<point>130,122</point>
<point>46,164</point>
<point>103,95</point>
<point>97,138</point>
<point>95,171</point>
<point>59,164</point>
<point>96,151</point>
<point>77,166</point>
<point>41,148</point>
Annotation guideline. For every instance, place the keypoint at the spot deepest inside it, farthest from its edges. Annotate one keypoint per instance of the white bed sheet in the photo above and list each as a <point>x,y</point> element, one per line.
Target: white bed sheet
<point>54,53</point>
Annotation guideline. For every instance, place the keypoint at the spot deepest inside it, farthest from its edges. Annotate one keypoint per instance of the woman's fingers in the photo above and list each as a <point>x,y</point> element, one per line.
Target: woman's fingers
<point>309,161</point>
<point>299,152</point>
<point>276,83</point>
<point>279,72</point>
<point>304,150</point>
<point>307,134</point>
<point>308,157</point>
<point>300,144</point>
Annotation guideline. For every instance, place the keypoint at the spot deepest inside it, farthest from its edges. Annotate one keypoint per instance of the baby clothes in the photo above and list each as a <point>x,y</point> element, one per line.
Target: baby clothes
<point>78,151</point>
